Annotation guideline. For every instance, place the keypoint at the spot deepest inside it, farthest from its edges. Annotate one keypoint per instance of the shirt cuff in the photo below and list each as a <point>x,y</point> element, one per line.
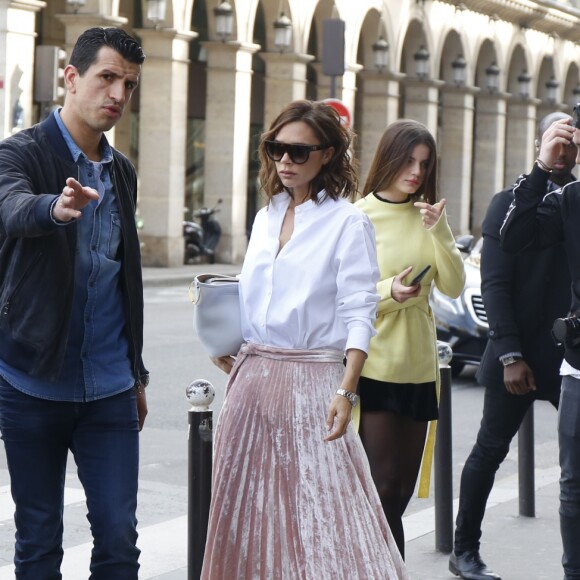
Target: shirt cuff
<point>54,220</point>
<point>359,337</point>
<point>514,354</point>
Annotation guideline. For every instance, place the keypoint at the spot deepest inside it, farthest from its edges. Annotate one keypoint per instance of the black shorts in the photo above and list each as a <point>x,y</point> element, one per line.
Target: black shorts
<point>418,401</point>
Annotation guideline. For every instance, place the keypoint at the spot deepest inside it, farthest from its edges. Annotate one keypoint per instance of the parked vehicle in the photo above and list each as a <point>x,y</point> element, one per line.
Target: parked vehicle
<point>201,239</point>
<point>462,322</point>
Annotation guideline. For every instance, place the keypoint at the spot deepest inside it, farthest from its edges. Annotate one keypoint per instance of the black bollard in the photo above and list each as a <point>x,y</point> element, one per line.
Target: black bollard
<point>526,466</point>
<point>443,468</point>
<point>200,394</point>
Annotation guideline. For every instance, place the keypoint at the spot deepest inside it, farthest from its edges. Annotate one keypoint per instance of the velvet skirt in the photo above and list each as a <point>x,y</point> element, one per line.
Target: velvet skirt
<point>285,503</point>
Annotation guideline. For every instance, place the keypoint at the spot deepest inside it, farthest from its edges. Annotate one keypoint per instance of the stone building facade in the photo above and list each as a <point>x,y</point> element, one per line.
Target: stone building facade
<point>478,73</point>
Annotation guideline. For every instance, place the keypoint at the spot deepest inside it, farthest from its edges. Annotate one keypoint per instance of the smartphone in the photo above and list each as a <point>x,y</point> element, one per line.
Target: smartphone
<point>420,276</point>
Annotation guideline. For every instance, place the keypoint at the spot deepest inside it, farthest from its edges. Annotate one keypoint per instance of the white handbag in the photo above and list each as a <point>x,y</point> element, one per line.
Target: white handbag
<point>216,313</point>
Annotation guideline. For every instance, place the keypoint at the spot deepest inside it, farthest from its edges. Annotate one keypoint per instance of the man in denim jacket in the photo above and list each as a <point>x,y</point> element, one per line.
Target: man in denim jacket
<point>71,316</point>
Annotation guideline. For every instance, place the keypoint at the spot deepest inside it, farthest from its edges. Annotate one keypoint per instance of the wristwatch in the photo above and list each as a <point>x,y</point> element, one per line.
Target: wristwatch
<point>506,361</point>
<point>352,397</point>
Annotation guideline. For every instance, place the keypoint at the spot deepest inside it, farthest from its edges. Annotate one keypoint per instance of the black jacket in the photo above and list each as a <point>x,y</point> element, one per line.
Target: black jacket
<point>37,257</point>
<point>536,220</point>
<point>522,294</point>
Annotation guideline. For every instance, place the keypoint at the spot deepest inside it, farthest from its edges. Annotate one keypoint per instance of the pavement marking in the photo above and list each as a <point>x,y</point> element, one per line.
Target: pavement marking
<point>422,522</point>
<point>164,545</point>
<point>71,495</point>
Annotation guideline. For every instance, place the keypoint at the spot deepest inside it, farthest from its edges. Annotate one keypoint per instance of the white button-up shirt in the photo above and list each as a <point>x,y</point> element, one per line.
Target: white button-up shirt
<point>319,291</point>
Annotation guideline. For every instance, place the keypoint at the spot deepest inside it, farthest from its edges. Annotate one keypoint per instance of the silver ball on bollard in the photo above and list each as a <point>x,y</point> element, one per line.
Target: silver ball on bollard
<point>200,394</point>
<point>444,353</point>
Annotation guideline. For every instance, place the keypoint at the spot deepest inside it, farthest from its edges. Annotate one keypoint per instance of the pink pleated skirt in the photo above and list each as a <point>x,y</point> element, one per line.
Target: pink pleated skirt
<point>285,504</point>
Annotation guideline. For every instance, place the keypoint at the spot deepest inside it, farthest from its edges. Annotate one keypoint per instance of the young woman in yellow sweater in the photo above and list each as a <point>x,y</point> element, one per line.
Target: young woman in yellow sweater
<point>398,385</point>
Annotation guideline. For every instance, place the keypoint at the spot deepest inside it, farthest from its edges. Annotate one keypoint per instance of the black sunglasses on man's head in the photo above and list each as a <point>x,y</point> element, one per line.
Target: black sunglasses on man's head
<point>298,154</point>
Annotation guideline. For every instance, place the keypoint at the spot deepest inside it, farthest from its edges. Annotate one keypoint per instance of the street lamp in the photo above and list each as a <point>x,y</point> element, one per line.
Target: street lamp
<point>492,77</point>
<point>224,20</point>
<point>421,62</point>
<point>458,66</point>
<point>551,89</point>
<point>76,4</point>
<point>282,32</point>
<point>381,53</point>
<point>156,11</point>
<point>524,83</point>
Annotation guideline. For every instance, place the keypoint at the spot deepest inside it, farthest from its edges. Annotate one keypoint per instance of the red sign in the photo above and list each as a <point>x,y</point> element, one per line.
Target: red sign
<point>342,109</point>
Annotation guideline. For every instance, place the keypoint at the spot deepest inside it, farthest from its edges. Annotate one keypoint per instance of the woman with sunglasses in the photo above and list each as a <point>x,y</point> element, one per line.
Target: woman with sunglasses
<point>398,386</point>
<point>293,496</point>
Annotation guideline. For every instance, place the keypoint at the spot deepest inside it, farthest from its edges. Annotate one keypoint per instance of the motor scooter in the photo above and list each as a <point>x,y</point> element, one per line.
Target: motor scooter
<point>202,239</point>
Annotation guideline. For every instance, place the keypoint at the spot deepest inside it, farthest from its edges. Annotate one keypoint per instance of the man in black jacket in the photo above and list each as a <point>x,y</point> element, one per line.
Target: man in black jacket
<point>71,316</point>
<point>522,294</point>
<point>539,221</point>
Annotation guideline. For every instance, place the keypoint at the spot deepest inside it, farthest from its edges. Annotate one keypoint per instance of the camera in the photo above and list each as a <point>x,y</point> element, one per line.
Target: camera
<point>576,115</point>
<point>566,331</point>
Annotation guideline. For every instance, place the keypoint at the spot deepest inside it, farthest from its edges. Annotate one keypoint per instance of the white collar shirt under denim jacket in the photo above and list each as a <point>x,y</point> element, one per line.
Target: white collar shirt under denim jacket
<point>319,291</point>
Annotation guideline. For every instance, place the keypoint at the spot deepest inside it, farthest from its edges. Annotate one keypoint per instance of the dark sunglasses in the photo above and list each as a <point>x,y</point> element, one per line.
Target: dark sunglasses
<point>298,154</point>
<point>576,115</point>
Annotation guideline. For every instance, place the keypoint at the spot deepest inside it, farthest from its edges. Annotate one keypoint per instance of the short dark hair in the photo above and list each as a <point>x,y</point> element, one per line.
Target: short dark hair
<point>88,44</point>
<point>339,177</point>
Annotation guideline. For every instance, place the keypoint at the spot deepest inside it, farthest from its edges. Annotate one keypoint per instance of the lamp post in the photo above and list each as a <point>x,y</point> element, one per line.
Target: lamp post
<point>492,77</point>
<point>282,32</point>
<point>76,4</point>
<point>156,11</point>
<point>551,89</point>
<point>524,80</point>
<point>421,62</point>
<point>458,66</point>
<point>224,20</point>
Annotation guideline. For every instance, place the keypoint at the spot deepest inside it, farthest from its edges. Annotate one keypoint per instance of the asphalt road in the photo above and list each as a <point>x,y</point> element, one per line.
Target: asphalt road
<point>175,358</point>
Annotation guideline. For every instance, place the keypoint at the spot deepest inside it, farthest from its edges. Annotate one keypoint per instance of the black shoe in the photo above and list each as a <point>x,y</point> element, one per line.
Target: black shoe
<point>470,566</point>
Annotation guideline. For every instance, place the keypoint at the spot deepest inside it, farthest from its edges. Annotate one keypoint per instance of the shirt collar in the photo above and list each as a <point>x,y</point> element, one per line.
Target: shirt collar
<point>75,151</point>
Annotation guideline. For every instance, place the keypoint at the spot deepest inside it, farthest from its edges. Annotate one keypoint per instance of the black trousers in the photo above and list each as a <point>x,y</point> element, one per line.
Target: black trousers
<point>503,414</point>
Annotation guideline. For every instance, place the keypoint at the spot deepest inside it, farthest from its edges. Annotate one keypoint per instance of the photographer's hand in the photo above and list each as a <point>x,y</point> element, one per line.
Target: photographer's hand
<point>519,378</point>
<point>558,135</point>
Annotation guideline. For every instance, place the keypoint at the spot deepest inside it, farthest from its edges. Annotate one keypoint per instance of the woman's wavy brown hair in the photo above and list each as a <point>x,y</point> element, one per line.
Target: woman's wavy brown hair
<point>339,177</point>
<point>393,152</point>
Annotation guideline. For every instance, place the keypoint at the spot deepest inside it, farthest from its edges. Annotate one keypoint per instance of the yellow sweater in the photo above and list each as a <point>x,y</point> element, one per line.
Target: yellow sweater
<point>404,349</point>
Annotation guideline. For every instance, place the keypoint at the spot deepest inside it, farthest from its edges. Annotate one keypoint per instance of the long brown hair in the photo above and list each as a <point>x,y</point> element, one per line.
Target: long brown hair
<point>393,152</point>
<point>339,177</point>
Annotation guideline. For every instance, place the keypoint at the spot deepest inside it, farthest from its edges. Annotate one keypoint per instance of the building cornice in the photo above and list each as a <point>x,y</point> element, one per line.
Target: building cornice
<point>547,16</point>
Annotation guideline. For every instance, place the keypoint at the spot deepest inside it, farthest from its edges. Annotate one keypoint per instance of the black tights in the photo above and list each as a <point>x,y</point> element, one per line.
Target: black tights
<point>394,446</point>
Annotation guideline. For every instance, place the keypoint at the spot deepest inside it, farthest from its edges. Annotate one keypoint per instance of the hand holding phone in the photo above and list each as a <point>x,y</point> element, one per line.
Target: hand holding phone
<point>420,275</point>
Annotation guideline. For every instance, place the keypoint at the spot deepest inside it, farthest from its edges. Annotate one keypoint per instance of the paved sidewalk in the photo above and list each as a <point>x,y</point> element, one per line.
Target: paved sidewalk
<point>515,547</point>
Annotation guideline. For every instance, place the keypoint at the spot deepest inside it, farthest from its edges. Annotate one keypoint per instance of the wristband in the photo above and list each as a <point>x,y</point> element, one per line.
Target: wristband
<point>543,166</point>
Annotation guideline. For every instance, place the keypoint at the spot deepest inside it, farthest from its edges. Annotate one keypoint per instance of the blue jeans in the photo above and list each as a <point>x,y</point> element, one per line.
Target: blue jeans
<point>569,437</point>
<point>503,414</point>
<point>104,438</point>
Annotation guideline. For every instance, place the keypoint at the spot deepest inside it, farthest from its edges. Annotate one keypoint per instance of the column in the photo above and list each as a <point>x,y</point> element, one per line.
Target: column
<point>380,99</point>
<point>349,87</point>
<point>520,136</point>
<point>285,81</point>
<point>422,102</point>
<point>17,40</point>
<point>229,86</point>
<point>455,145</point>
<point>489,163</point>
<point>162,141</point>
